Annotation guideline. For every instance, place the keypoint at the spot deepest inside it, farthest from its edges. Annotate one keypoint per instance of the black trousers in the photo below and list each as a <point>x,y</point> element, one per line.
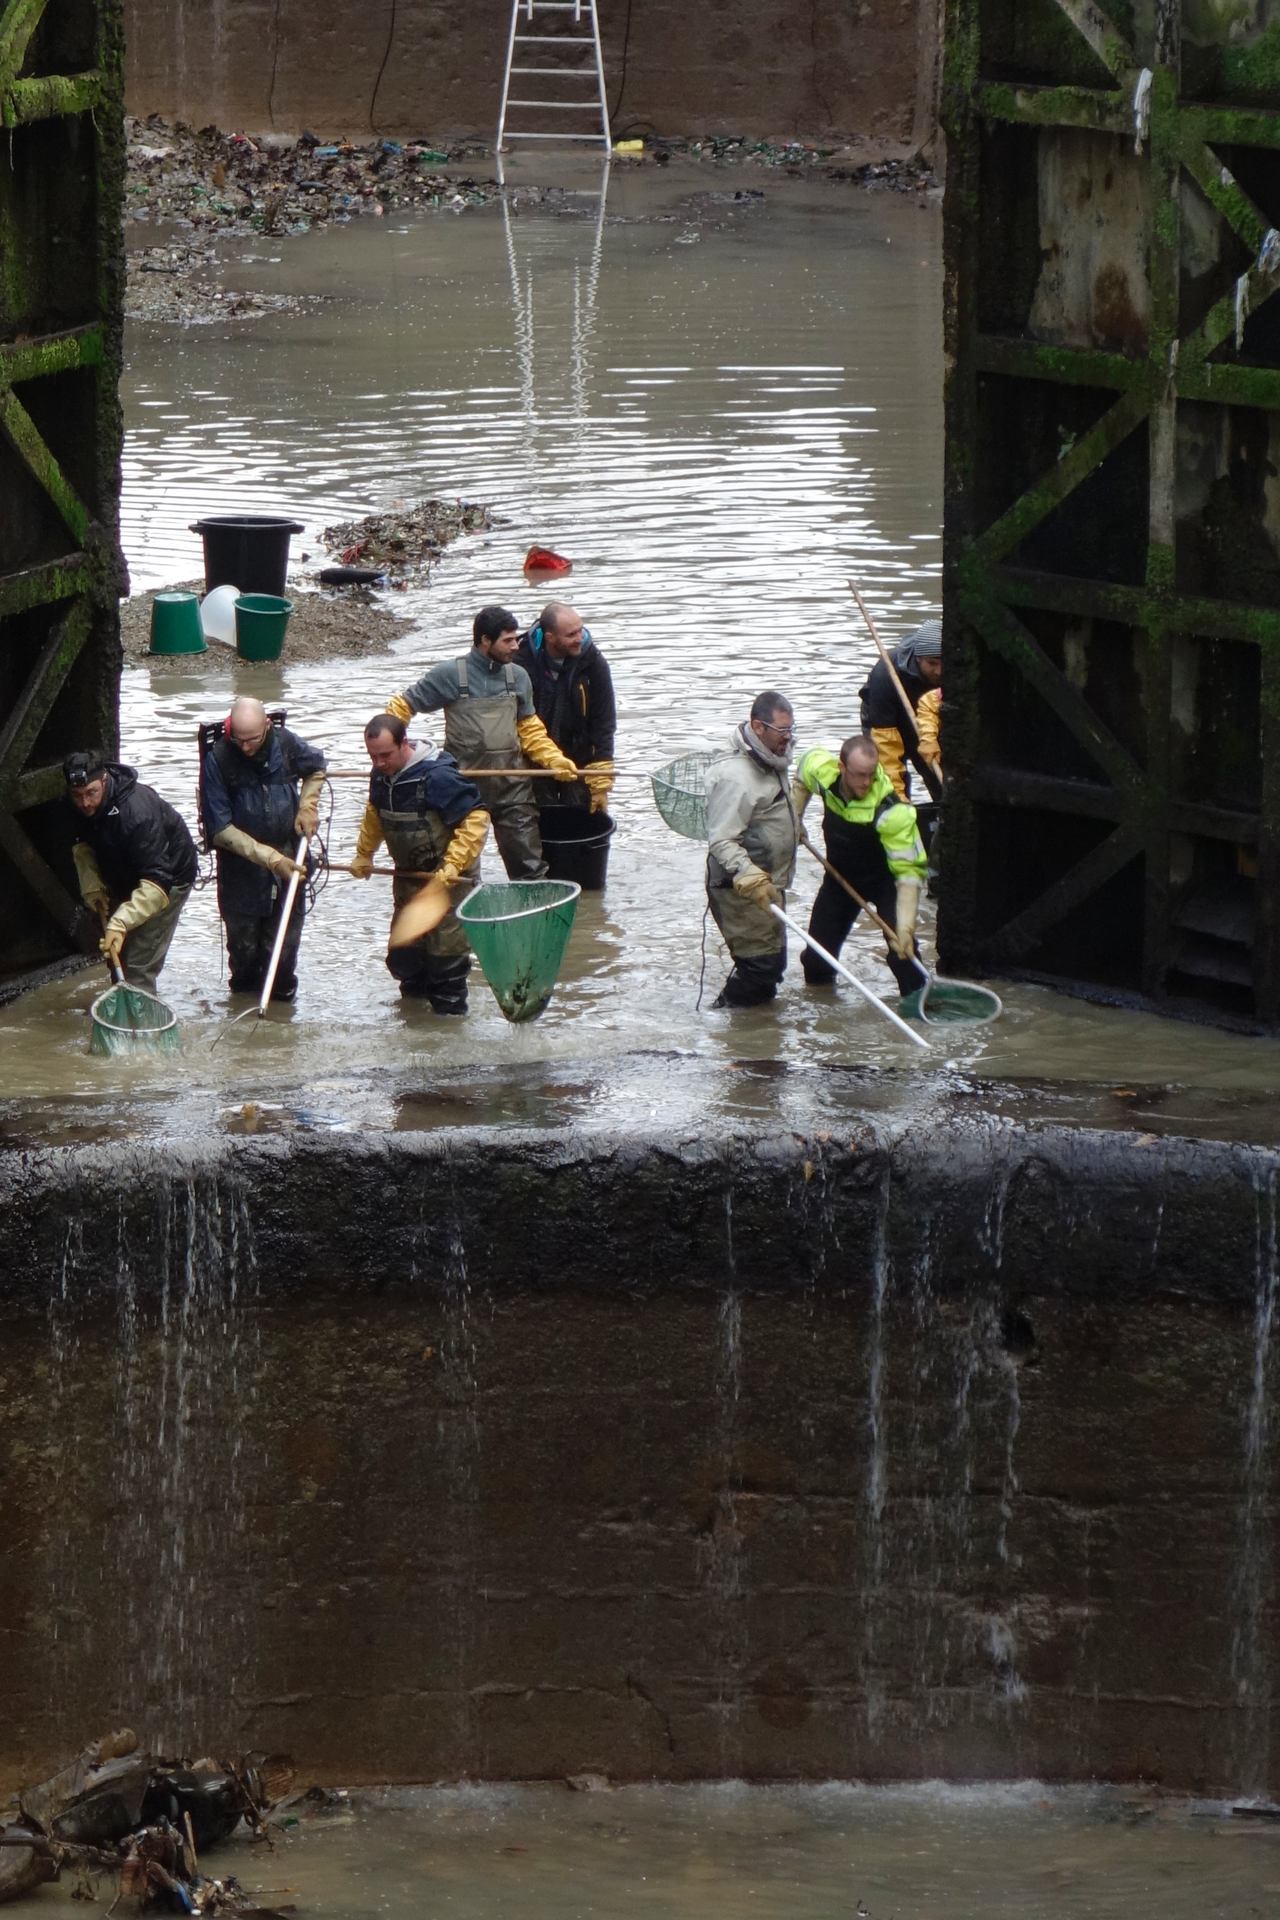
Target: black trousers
<point>249,944</point>
<point>834,914</point>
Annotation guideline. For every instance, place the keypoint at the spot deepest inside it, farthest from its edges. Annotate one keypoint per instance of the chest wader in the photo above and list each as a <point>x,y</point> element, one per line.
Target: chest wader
<point>855,850</point>
<point>480,731</point>
<point>756,941</point>
<point>434,967</point>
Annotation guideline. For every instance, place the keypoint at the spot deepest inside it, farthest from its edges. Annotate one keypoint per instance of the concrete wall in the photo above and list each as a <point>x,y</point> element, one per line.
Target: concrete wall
<point>491,1455</point>
<point>759,67</point>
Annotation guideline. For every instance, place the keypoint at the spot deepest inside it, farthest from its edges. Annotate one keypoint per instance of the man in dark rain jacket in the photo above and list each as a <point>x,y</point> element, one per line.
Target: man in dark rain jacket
<point>918,660</point>
<point>260,789</point>
<point>135,861</point>
<point>573,694</point>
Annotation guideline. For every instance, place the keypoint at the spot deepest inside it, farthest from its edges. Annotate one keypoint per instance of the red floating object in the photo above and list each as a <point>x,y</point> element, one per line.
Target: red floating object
<point>543,560</point>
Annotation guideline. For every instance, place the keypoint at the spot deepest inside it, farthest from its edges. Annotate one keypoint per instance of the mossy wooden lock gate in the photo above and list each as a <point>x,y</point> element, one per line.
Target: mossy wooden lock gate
<point>1112,572</point>
<point>61,267</point>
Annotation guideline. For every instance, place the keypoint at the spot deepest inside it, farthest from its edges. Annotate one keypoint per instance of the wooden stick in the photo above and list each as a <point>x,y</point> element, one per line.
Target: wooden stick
<point>383,873</point>
<point>932,784</point>
<point>500,773</point>
<point>889,932</point>
<point>899,689</point>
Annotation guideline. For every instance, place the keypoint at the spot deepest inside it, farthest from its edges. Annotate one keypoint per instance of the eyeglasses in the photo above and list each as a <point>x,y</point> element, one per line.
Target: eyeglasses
<point>782,733</point>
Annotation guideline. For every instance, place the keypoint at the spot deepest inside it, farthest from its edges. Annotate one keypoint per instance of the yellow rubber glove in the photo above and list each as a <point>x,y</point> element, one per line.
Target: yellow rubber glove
<point>755,885</point>
<point>906,907</point>
<point>93,888</point>
<point>236,840</point>
<point>307,818</point>
<point>800,798</point>
<point>284,866</point>
<point>112,943</point>
<point>399,708</point>
<point>537,745</point>
<point>464,846</point>
<point>889,746</point>
<point>597,776</point>
<point>929,727</point>
<point>369,838</point>
<point>362,865</point>
<point>146,900</point>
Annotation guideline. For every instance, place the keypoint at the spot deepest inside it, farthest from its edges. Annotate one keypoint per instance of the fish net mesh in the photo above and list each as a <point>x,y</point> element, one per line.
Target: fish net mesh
<point>127,1020</point>
<point>949,1002</point>
<point>680,794</point>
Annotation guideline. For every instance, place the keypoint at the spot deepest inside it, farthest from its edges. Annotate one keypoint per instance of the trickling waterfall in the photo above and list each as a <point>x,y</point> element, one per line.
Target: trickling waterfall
<point>459,1446</point>
<point>724,1552</point>
<point>155,1595</point>
<point>1251,1667</point>
<point>877,1467</point>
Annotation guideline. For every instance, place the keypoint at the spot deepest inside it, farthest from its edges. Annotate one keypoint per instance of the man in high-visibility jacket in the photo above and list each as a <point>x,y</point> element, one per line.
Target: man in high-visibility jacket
<point>872,839</point>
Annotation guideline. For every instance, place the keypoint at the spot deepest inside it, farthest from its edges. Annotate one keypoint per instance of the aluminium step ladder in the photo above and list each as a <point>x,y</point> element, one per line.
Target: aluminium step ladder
<point>559,86</point>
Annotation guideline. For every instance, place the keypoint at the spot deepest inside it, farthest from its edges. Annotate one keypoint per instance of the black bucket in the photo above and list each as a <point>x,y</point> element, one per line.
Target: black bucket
<point>246,550</point>
<point>576,845</point>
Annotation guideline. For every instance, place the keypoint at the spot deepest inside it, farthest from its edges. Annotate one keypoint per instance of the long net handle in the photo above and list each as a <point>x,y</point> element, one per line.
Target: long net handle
<point>845,974</point>
<point>286,911</point>
<point>117,973</point>
<point>890,933</point>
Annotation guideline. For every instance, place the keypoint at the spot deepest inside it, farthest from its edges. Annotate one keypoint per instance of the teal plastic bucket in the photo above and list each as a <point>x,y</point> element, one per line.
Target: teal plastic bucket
<point>518,932</point>
<point>261,621</point>
<point>175,624</point>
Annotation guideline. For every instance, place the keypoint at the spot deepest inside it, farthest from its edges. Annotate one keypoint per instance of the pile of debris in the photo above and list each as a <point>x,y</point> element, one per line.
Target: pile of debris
<point>120,1812</point>
<point>405,539</point>
<point>276,184</point>
<point>179,285</point>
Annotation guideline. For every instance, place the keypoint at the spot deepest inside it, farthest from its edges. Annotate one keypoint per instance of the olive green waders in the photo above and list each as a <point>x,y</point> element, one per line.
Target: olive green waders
<point>480,731</point>
<point>434,967</point>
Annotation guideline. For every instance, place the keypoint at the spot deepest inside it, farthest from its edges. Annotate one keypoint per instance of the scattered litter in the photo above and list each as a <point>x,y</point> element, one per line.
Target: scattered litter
<point>406,539</point>
<point>227,183</point>
<point>122,1812</point>
<point>546,560</point>
<point>589,1782</point>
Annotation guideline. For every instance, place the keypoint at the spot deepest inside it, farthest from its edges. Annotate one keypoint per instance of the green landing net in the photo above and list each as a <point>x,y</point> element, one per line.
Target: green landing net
<point>518,931</point>
<point>129,1020</point>
<point>680,794</point>
<point>943,1003</point>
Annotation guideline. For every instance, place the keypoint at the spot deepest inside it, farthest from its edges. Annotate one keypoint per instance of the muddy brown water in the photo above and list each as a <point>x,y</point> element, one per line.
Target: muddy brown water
<point>916,1853</point>
<point>720,411</point>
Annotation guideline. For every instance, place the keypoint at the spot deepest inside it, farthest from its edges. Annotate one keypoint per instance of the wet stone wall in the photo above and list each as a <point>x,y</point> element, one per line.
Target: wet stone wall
<point>485,1455</point>
<point>763,68</point>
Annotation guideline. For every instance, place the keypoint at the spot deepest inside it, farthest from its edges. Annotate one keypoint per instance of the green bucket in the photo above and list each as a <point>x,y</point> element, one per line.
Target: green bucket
<point>261,619</point>
<point>175,624</point>
<point>518,931</point>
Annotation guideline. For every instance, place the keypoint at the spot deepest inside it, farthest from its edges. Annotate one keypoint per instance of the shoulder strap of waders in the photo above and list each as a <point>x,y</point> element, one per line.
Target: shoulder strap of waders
<point>463,688</point>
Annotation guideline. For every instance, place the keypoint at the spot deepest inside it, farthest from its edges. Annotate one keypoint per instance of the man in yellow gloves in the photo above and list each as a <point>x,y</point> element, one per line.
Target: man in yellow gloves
<point>260,794</point>
<point>573,693</point>
<point>752,836</point>
<point>872,839</point>
<point>918,661</point>
<point>433,823</point>
<point>135,861</point>
<point>490,721</point>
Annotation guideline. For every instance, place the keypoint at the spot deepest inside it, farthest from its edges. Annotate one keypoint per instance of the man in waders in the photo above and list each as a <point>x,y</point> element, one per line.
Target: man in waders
<point>260,794</point>
<point>752,837</point>
<point>433,823</point>
<point>135,862</point>
<point>489,721</point>
<point>872,840</point>
<point>573,694</point>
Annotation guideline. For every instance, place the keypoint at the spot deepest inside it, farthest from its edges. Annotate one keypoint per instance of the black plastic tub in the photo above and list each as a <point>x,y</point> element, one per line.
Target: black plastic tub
<point>576,845</point>
<point>246,550</point>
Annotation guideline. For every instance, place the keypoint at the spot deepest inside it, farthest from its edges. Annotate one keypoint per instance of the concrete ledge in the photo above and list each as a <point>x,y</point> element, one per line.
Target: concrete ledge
<point>486,1453</point>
